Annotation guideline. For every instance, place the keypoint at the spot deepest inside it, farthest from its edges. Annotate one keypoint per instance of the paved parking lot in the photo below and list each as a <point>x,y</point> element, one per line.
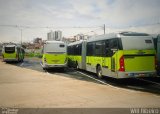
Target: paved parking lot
<point>22,87</point>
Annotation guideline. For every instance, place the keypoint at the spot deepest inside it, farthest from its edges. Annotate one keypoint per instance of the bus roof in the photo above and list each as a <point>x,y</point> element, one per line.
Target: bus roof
<point>77,42</point>
<point>133,34</point>
<point>117,35</point>
<point>54,41</point>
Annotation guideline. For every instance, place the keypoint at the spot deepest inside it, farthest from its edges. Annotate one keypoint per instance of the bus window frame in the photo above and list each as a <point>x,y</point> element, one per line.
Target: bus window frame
<point>112,48</point>
<point>91,50</point>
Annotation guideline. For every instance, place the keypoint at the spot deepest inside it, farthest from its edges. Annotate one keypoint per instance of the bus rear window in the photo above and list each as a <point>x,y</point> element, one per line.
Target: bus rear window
<point>9,49</point>
<point>148,41</point>
<point>61,45</point>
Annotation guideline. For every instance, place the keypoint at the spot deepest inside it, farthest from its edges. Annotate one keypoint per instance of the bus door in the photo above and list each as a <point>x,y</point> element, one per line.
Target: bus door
<point>90,56</point>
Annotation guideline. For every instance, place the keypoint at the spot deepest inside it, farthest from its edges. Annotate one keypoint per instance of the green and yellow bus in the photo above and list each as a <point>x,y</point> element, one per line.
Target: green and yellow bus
<point>54,54</point>
<point>120,55</point>
<point>158,53</point>
<point>76,57</point>
<point>12,52</point>
<point>157,47</point>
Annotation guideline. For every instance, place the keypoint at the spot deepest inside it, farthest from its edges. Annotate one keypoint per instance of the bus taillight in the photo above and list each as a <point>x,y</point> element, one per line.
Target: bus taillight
<point>121,62</point>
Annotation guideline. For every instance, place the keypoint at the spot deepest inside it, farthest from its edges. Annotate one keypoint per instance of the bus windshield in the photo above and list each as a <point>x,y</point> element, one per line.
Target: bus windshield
<point>9,49</point>
<point>137,43</point>
<point>54,48</point>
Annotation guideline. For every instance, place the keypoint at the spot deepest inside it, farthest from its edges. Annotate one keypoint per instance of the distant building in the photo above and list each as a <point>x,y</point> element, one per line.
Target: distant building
<point>38,40</point>
<point>81,37</point>
<point>54,35</point>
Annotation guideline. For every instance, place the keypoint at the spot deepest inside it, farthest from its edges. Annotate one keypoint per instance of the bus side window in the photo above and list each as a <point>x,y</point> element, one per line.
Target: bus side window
<point>100,48</point>
<point>113,44</point>
<point>78,49</point>
<point>111,47</point>
<point>90,48</point>
<point>108,49</point>
<point>18,50</point>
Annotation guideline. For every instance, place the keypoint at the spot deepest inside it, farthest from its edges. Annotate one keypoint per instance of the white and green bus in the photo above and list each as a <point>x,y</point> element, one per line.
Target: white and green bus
<point>120,55</point>
<point>12,52</point>
<point>54,54</point>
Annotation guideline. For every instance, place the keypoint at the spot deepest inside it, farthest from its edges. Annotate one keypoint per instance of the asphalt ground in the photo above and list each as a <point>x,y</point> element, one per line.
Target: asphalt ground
<point>149,84</point>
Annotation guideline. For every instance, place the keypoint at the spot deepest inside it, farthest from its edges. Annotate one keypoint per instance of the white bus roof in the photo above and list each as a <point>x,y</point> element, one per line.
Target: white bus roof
<point>117,35</point>
<point>77,42</point>
<point>10,45</point>
<point>54,42</point>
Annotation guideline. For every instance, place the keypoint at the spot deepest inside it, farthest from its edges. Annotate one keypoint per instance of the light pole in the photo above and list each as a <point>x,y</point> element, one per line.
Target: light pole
<point>104,27</point>
<point>21,37</point>
<point>20,28</point>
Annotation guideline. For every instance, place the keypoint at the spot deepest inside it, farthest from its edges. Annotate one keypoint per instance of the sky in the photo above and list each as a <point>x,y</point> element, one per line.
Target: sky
<point>38,17</point>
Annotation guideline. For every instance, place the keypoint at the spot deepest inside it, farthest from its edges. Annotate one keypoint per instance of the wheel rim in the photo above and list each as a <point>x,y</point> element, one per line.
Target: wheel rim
<point>99,72</point>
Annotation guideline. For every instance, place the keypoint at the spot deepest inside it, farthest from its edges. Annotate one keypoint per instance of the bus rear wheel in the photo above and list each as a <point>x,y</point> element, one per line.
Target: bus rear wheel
<point>99,72</point>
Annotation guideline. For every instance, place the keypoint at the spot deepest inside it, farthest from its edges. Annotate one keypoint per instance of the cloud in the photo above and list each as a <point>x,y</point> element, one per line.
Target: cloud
<point>113,13</point>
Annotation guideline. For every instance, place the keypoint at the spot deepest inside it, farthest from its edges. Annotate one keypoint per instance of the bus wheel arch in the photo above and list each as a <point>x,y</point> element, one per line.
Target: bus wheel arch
<point>99,71</point>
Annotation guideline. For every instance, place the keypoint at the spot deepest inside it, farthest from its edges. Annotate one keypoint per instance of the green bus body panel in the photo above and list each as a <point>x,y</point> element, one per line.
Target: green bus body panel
<point>55,58</point>
<point>139,64</point>
<point>75,58</point>
<point>9,55</point>
<point>134,61</point>
<point>137,60</point>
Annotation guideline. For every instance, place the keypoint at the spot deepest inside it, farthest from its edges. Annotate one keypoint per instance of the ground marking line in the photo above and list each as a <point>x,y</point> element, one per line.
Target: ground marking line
<point>104,82</point>
<point>92,78</point>
<point>148,81</point>
<point>22,64</point>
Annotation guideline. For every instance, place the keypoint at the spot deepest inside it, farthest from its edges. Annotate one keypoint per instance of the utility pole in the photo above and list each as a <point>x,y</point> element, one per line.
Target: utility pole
<point>104,28</point>
<point>21,37</point>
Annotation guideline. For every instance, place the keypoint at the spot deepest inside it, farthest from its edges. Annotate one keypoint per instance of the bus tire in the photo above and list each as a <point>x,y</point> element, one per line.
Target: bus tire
<point>99,72</point>
<point>44,68</point>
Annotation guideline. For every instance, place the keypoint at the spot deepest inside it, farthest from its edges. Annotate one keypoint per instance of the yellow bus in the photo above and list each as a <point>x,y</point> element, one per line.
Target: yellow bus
<point>12,52</point>
<point>120,55</point>
<point>54,54</point>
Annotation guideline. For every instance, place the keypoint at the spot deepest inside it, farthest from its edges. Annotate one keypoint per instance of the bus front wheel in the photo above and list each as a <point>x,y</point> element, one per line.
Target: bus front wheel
<point>99,72</point>
<point>77,67</point>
